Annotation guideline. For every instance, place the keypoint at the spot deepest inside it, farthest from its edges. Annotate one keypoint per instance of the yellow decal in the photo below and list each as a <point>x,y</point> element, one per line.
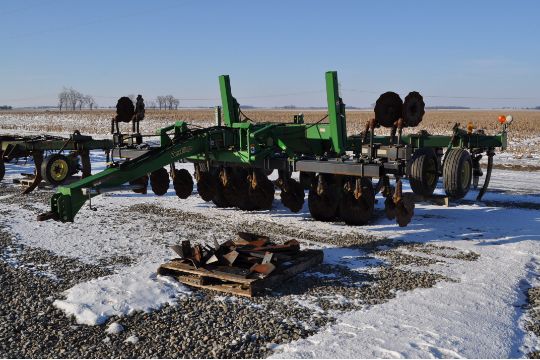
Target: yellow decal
<point>181,151</point>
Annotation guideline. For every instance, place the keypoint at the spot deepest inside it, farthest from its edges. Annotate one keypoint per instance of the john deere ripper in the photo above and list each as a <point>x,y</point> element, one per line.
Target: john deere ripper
<point>232,162</point>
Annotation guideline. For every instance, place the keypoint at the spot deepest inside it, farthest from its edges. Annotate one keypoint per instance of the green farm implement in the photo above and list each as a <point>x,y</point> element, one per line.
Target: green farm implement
<point>233,159</point>
<point>56,158</point>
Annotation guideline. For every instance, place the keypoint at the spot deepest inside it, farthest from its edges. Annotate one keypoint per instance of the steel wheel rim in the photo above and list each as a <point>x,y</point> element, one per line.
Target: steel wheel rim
<point>59,169</point>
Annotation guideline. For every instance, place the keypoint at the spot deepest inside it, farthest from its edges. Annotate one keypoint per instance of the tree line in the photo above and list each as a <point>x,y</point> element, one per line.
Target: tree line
<point>71,99</point>
<point>167,102</point>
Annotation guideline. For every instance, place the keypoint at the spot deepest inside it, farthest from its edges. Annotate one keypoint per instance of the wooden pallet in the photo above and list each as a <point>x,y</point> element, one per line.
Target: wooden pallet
<point>238,281</point>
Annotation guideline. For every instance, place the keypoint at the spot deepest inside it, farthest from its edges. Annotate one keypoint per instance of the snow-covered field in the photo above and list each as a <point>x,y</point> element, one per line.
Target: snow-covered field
<point>478,312</point>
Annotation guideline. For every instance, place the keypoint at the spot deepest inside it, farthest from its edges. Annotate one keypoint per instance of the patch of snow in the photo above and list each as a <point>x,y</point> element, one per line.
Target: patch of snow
<point>531,342</point>
<point>308,302</point>
<point>132,289</point>
<point>224,298</point>
<point>133,339</point>
<point>475,317</point>
<point>114,328</point>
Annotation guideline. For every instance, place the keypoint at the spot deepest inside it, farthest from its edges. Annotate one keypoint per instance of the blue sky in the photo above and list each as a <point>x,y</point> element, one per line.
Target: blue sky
<point>473,53</point>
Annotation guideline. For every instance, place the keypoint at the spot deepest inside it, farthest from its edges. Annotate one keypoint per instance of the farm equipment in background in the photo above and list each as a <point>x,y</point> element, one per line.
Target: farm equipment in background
<point>233,159</point>
<point>56,158</point>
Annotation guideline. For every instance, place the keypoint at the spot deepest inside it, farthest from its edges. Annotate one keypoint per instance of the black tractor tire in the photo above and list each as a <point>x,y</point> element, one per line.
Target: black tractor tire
<point>324,207</point>
<point>457,173</point>
<point>358,211</point>
<point>183,183</point>
<point>55,169</point>
<point>159,181</point>
<point>422,171</point>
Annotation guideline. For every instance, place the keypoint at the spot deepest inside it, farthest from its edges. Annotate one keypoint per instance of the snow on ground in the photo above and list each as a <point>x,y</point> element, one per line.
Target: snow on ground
<point>134,288</point>
<point>478,316</point>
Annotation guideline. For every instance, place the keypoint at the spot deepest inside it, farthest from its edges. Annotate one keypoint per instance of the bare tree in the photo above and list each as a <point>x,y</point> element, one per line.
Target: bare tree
<point>161,101</point>
<point>167,102</point>
<point>81,100</point>
<point>63,99</point>
<point>89,100</point>
<point>72,99</point>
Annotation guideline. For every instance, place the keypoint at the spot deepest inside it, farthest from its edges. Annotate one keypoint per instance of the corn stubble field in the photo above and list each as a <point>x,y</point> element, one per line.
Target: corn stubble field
<point>524,133</point>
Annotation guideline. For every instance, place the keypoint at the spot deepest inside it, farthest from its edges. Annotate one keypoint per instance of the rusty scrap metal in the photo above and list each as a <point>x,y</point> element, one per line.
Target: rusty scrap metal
<point>246,254</point>
<point>263,269</point>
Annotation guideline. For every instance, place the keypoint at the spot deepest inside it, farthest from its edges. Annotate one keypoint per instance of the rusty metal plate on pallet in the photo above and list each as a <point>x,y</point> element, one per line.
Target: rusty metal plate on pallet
<point>239,281</point>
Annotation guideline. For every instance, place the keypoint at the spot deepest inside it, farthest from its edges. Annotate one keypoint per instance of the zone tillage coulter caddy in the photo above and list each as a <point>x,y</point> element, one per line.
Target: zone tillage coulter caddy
<point>56,158</point>
<point>233,160</point>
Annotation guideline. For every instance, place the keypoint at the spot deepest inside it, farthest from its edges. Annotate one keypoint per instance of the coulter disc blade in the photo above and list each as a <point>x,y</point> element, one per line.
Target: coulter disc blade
<point>183,183</point>
<point>219,198</point>
<point>388,109</point>
<point>261,191</point>
<point>2,167</point>
<point>143,181</point>
<point>405,209</point>
<point>236,187</point>
<point>413,109</point>
<point>159,181</point>
<point>124,109</point>
<point>323,205</point>
<point>207,185</point>
<point>389,208</point>
<point>359,211</point>
<point>292,195</point>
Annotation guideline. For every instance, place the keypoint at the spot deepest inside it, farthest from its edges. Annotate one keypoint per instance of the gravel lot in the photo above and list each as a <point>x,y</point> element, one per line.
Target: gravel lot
<point>204,324</point>
<point>533,310</point>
